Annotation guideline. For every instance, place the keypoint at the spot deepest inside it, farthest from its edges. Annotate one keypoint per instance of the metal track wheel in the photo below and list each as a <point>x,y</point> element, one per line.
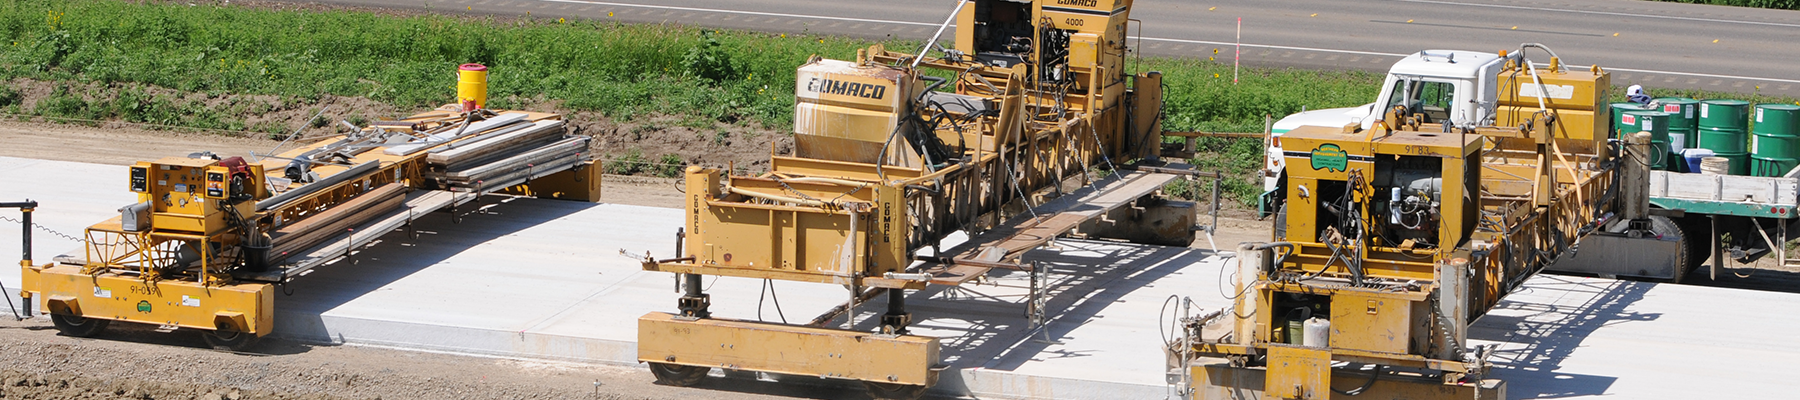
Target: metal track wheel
<point>227,339</point>
<point>677,375</point>
<point>893,391</point>
<point>78,326</point>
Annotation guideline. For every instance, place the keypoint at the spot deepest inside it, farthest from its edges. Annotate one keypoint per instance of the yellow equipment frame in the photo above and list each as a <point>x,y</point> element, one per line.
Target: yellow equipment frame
<point>1514,199</point>
<point>857,224</point>
<point>127,275</point>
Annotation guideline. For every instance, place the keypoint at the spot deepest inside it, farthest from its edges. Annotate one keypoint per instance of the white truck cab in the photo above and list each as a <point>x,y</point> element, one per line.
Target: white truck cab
<point>1446,86</point>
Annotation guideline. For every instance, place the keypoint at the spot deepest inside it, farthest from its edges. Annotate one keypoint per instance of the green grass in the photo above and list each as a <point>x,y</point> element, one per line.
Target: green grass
<point>621,70</point>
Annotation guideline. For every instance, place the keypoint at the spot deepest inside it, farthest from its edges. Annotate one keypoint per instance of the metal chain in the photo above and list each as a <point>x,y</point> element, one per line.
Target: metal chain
<point>45,229</point>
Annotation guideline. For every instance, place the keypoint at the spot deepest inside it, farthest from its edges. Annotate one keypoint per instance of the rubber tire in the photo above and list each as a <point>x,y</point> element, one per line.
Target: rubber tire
<point>78,326</point>
<point>893,391</point>
<point>228,340</point>
<point>1682,256</point>
<point>1698,232</point>
<point>678,375</point>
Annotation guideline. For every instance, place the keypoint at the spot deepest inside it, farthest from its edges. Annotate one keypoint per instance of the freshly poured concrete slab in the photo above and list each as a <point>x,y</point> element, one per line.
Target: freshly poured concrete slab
<point>71,196</point>
<point>524,277</point>
<point>1563,336</point>
<point>544,279</point>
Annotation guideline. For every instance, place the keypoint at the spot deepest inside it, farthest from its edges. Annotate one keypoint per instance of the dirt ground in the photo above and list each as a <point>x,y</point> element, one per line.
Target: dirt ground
<point>140,363</point>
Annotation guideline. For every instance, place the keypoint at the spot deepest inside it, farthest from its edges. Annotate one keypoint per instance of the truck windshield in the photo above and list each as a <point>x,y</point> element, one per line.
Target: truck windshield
<point>1432,98</point>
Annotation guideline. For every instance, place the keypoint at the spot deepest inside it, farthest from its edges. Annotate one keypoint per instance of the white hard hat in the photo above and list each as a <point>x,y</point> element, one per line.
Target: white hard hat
<point>1634,90</point>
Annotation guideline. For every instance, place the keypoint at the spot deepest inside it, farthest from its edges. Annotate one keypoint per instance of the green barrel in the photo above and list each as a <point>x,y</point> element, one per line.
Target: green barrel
<point>1775,148</point>
<point>1684,119</point>
<point>1655,122</point>
<point>1618,112</point>
<point>1722,130</point>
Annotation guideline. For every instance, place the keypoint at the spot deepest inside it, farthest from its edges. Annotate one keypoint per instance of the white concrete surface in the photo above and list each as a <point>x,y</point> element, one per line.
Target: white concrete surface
<point>1577,337</point>
<point>543,279</point>
<point>70,197</point>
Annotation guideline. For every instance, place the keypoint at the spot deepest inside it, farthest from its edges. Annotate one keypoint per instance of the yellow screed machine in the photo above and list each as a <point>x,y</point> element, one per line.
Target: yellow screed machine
<point>210,238</point>
<point>1394,239</point>
<point>886,163</point>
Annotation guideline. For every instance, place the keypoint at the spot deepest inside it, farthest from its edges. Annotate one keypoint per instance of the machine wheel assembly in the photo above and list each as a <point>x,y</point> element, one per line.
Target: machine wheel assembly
<point>226,339</point>
<point>894,391</point>
<point>677,375</point>
<point>78,326</point>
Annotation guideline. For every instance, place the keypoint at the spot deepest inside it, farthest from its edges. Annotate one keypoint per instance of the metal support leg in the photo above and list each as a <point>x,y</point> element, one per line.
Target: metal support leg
<point>1717,256</point>
<point>680,234</point>
<point>693,303</point>
<point>25,208</point>
<point>25,217</point>
<point>1218,178</point>
<point>850,307</point>
<point>896,319</point>
<point>1039,300</point>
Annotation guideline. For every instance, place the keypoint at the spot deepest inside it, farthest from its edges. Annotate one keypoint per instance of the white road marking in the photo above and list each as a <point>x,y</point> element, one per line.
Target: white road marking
<point>1620,14</point>
<point>1225,44</point>
<point>766,14</point>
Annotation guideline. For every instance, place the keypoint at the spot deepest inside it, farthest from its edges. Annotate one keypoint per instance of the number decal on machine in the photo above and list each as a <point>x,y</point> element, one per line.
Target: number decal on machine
<point>1420,150</point>
<point>146,290</point>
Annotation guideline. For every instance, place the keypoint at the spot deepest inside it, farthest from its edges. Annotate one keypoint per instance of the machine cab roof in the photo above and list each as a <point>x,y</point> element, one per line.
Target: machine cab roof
<point>1457,64</point>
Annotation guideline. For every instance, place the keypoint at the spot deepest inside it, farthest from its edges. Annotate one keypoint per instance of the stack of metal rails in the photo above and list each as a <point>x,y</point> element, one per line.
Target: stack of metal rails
<point>210,236</point>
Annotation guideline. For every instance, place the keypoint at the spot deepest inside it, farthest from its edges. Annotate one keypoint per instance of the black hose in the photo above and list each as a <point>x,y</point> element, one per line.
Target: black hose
<point>935,82</point>
<point>1366,385</point>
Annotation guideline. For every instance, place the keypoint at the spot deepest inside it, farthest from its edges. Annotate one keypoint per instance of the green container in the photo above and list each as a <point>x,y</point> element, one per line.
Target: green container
<point>1684,119</point>
<point>1655,122</point>
<point>1775,146</point>
<point>1722,130</point>
<point>1618,112</point>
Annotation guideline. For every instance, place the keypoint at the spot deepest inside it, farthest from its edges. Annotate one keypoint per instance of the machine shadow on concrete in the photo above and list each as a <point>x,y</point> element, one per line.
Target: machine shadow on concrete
<point>985,327</point>
<point>396,256</point>
<point>1536,336</point>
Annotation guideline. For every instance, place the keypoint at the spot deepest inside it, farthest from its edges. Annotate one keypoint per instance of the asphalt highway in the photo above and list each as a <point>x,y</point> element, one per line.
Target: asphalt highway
<point>1656,44</point>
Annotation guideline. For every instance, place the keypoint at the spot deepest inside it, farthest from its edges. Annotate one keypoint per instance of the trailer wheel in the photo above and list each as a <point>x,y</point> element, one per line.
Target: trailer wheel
<point>893,391</point>
<point>677,375</point>
<point>228,339</point>
<point>1661,224</point>
<point>1697,230</point>
<point>78,326</point>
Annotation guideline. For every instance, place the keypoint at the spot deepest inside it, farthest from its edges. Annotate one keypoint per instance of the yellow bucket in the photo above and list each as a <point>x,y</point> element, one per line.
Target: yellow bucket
<point>471,85</point>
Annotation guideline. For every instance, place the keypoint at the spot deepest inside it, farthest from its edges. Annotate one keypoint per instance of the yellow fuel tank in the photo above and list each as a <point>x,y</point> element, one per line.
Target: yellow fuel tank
<point>846,111</point>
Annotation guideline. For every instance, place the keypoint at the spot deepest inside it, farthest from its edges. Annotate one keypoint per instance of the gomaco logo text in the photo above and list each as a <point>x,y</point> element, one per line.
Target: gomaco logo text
<point>837,87</point>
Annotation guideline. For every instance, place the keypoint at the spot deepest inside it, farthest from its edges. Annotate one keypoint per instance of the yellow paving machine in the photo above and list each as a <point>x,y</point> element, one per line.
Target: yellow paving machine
<point>893,152</point>
<point>210,237</point>
<point>1396,237</point>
